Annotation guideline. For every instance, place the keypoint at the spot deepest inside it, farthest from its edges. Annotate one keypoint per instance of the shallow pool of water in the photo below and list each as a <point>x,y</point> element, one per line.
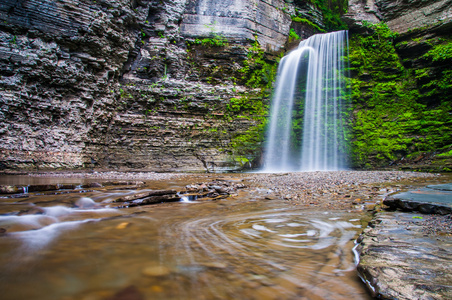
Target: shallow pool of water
<point>235,248</point>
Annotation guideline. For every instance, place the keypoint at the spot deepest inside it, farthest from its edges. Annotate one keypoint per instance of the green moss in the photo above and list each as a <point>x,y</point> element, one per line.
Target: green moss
<point>258,72</point>
<point>332,10</point>
<point>391,119</point>
<point>215,39</point>
<point>441,52</point>
<point>293,35</point>
<point>446,154</point>
<point>307,22</point>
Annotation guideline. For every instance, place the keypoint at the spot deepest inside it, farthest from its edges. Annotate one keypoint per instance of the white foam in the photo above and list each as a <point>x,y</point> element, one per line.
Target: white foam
<point>85,202</point>
<point>261,228</point>
<point>37,239</point>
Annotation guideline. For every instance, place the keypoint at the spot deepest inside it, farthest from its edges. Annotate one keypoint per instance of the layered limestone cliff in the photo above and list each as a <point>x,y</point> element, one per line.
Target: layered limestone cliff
<point>400,15</point>
<point>163,85</point>
<point>130,84</point>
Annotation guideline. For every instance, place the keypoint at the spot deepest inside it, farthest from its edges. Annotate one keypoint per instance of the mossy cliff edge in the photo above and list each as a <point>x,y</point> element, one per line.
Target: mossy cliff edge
<point>185,85</point>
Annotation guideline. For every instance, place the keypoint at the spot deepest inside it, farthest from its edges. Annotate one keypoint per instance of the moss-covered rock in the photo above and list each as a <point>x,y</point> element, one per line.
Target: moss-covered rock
<point>401,89</point>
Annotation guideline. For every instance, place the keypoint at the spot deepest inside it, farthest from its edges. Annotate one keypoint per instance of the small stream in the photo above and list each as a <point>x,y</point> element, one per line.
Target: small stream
<point>77,246</point>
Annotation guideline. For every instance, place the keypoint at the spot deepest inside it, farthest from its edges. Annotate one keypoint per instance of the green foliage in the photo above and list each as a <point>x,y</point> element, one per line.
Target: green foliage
<point>332,10</point>
<point>216,39</point>
<point>307,22</point>
<point>247,145</point>
<point>441,53</point>
<point>391,120</point>
<point>437,85</point>
<point>446,154</point>
<point>293,35</point>
<point>257,70</point>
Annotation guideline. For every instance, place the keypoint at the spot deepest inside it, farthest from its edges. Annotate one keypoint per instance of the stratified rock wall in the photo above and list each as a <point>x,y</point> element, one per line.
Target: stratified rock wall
<point>59,62</point>
<point>402,16</point>
<point>122,84</point>
<point>238,19</point>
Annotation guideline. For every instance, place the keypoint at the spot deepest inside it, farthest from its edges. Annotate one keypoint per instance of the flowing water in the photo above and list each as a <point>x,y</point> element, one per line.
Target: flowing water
<point>306,126</point>
<point>77,246</point>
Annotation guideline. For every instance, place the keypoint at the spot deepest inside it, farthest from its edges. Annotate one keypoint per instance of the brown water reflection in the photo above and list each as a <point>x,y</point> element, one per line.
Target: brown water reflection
<point>236,248</point>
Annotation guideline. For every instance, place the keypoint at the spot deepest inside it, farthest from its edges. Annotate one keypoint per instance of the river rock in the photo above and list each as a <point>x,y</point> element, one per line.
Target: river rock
<point>10,189</point>
<point>404,255</point>
<point>147,194</point>
<point>92,185</point>
<point>128,293</point>
<point>156,271</point>
<point>85,202</point>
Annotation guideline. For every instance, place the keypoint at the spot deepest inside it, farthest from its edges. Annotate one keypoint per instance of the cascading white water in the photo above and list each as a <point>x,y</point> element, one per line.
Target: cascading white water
<point>305,131</point>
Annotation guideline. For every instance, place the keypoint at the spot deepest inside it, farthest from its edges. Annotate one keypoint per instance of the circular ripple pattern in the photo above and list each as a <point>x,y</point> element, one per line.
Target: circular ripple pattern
<point>287,253</point>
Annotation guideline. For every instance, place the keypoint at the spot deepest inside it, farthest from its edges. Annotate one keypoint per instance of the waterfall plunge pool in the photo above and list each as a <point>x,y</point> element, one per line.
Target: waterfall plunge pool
<point>241,247</point>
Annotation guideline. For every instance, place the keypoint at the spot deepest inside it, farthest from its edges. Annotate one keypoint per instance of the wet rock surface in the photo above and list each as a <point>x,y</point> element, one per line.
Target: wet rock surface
<point>408,255</point>
<point>415,14</point>
<point>212,190</point>
<point>434,199</point>
<point>400,17</point>
<point>63,188</point>
<point>405,256</point>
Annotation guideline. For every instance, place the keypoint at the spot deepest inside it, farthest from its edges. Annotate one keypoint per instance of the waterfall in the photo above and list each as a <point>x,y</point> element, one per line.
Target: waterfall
<point>306,130</point>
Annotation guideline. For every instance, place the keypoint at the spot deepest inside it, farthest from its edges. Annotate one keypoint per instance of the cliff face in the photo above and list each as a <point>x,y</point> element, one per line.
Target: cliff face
<point>402,85</point>
<point>411,14</point>
<point>168,85</point>
<point>400,15</point>
<point>129,84</point>
<point>59,61</point>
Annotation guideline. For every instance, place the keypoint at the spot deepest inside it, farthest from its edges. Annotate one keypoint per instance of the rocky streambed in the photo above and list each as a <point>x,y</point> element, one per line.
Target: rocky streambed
<point>290,235</point>
<point>406,253</point>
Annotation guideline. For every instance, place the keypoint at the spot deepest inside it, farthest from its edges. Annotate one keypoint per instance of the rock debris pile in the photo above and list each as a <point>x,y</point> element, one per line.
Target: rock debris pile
<point>212,190</point>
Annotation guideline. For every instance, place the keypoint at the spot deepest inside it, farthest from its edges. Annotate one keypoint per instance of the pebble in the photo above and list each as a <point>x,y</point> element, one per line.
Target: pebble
<point>156,271</point>
<point>123,225</point>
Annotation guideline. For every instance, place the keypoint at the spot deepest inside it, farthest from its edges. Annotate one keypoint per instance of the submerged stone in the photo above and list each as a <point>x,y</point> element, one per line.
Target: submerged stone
<point>156,271</point>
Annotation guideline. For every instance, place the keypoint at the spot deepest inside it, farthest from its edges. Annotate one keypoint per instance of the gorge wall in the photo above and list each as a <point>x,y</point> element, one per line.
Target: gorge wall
<point>401,84</point>
<point>129,84</point>
<point>184,85</point>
